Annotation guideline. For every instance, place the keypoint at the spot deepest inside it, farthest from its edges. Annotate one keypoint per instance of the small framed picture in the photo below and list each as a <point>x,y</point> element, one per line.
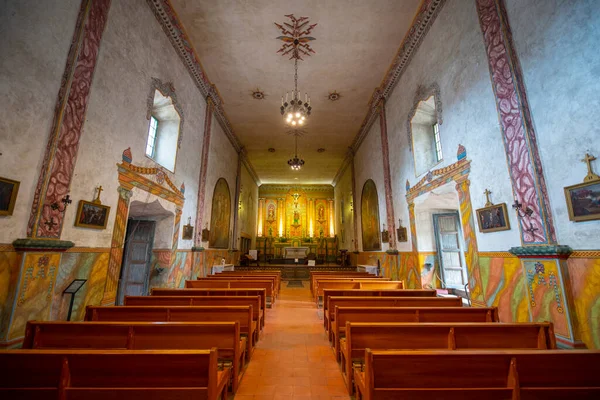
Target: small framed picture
<point>385,237</point>
<point>493,218</point>
<point>8,195</point>
<point>91,215</point>
<point>402,234</point>
<point>583,201</point>
<point>188,232</point>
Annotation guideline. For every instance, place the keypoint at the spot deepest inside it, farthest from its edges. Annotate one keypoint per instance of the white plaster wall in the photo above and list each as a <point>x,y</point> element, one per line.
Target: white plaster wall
<point>343,191</point>
<point>134,49</point>
<point>453,55</point>
<point>561,67</point>
<point>248,214</point>
<point>222,163</point>
<point>35,42</point>
<point>369,165</point>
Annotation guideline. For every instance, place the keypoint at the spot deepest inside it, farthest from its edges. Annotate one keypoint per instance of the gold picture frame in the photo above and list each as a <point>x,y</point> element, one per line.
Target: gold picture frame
<point>91,215</point>
<point>583,201</point>
<point>8,195</point>
<point>402,234</point>
<point>493,218</point>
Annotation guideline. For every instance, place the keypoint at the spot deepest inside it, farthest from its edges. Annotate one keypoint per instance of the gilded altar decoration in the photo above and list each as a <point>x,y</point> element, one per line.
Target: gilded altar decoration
<point>220,216</point>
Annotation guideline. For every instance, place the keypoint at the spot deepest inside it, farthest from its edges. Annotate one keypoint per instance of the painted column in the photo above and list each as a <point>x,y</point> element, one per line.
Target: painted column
<point>331,217</point>
<point>45,222</point>
<point>116,246</point>
<point>176,227</point>
<point>260,219</point>
<point>311,217</point>
<point>354,202</point>
<point>387,180</point>
<point>236,202</point>
<point>471,251</point>
<point>412,274</point>
<point>203,170</point>
<point>525,166</point>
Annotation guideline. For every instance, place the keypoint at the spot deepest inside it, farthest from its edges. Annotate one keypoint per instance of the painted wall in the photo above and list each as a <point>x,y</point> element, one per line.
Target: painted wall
<point>367,161</point>
<point>222,163</point>
<point>34,51</point>
<point>248,212</point>
<point>561,69</point>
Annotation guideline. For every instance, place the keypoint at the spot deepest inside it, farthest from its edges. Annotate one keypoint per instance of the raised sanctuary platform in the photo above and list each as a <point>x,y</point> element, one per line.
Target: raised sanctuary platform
<point>294,271</point>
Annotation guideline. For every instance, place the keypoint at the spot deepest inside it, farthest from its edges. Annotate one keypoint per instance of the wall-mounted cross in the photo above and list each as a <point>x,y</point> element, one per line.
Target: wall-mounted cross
<point>50,224</point>
<point>97,199</point>
<point>488,203</point>
<point>591,176</point>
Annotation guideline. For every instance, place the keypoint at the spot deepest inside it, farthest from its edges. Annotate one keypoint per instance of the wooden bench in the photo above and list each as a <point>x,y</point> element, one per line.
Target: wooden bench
<point>357,300</point>
<point>213,292</point>
<point>254,301</point>
<point>225,336</point>
<point>355,275</point>
<point>381,309</point>
<point>319,280</point>
<point>357,285</point>
<point>242,314</point>
<point>251,274</point>
<point>315,274</point>
<point>438,336</point>
<point>112,374</point>
<point>484,374</point>
<point>272,279</point>
<point>234,284</point>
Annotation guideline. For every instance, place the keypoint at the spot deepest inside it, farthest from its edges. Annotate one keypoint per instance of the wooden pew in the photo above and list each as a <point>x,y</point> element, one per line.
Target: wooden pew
<point>213,292</point>
<point>112,374</point>
<point>225,336</point>
<point>333,274</point>
<point>254,301</point>
<point>439,336</point>
<point>234,284</point>
<point>242,314</point>
<point>483,374</point>
<point>371,299</point>
<point>385,306</point>
<point>357,284</point>
<point>272,279</point>
<point>276,274</point>
<point>320,279</point>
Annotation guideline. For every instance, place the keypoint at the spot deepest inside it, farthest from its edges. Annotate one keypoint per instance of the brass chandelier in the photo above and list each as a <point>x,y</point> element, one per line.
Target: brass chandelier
<point>296,163</point>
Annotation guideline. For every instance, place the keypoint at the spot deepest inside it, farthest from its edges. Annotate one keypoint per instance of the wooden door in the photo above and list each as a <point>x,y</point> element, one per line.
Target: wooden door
<point>448,243</point>
<point>135,270</point>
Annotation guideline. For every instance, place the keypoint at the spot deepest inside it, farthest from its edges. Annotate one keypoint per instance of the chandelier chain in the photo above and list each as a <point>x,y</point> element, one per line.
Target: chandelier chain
<point>296,76</point>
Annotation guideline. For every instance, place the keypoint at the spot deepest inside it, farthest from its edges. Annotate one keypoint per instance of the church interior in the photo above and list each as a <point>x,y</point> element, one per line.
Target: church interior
<point>274,199</point>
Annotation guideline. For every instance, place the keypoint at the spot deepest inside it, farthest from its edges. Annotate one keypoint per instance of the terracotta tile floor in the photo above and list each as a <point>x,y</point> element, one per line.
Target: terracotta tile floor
<point>293,359</point>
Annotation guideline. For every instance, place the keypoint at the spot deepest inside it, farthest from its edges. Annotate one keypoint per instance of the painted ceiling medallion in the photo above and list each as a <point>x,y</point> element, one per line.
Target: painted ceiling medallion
<point>295,43</point>
<point>320,150</point>
<point>258,94</point>
<point>334,96</point>
<point>271,150</point>
<point>295,38</point>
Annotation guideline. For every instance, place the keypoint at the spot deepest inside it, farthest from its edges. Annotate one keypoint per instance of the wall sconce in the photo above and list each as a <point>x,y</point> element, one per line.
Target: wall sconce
<point>385,235</point>
<point>65,200</point>
<point>528,212</point>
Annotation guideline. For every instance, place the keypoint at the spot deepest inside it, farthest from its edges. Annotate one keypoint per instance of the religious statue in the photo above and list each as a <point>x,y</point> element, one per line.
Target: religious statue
<point>296,217</point>
<point>321,213</point>
<point>271,213</point>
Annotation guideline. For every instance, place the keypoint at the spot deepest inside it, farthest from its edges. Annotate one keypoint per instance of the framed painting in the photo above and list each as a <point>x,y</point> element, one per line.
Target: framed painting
<point>369,217</point>
<point>188,232</point>
<point>91,215</point>
<point>402,234</point>
<point>8,195</point>
<point>583,201</point>
<point>493,218</point>
<point>220,216</point>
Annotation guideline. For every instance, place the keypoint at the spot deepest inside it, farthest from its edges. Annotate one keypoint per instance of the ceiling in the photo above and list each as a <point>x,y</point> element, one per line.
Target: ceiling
<point>356,41</point>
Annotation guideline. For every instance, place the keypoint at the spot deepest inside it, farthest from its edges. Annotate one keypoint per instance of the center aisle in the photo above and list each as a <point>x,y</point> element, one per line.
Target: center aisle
<point>293,359</point>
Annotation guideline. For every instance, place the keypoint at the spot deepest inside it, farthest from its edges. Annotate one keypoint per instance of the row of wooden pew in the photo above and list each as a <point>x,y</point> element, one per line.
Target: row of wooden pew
<point>173,344</point>
<point>410,344</point>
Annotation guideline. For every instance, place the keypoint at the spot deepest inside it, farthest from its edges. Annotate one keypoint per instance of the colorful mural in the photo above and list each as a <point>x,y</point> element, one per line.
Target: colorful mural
<point>220,216</point>
<point>369,215</point>
<point>10,266</point>
<point>584,274</point>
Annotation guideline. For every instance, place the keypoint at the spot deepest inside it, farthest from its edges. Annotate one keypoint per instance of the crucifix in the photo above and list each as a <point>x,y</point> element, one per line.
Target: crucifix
<point>97,199</point>
<point>488,203</point>
<point>591,176</point>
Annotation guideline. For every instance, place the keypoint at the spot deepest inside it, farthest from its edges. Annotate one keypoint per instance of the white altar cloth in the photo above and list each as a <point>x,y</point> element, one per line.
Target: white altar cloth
<point>295,252</point>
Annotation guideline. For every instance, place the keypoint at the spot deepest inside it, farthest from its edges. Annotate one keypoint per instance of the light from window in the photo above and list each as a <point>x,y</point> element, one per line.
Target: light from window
<point>438,143</point>
<point>151,144</point>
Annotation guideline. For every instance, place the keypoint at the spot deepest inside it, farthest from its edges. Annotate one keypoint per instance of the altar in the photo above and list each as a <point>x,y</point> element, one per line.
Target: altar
<point>295,252</point>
